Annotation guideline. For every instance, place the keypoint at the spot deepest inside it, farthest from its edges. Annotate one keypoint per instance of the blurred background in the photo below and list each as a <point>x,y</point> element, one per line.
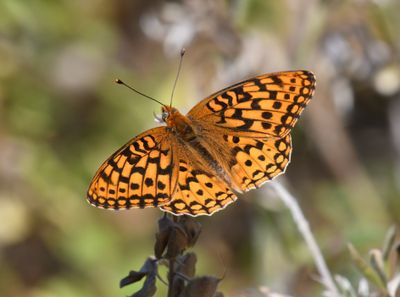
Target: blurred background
<point>61,116</point>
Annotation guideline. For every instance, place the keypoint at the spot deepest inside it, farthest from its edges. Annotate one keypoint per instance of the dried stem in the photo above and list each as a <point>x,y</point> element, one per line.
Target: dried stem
<point>171,274</point>
<point>304,228</point>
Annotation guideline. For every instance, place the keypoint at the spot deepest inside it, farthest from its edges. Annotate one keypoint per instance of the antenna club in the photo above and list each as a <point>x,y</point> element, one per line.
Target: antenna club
<point>183,51</point>
<point>118,81</point>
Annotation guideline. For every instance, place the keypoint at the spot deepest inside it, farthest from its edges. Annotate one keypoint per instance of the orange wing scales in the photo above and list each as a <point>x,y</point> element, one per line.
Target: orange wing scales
<point>258,160</point>
<point>237,138</point>
<point>198,193</point>
<point>268,105</point>
<point>140,174</point>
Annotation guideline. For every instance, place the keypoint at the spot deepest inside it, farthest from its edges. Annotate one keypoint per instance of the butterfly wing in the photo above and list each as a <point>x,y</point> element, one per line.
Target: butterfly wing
<point>255,161</point>
<point>198,191</point>
<point>244,129</point>
<point>140,174</point>
<point>252,162</point>
<point>264,106</point>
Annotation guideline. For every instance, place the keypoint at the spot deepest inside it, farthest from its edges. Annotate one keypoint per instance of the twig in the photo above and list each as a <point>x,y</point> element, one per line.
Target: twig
<point>171,275</point>
<point>171,268</point>
<point>304,228</point>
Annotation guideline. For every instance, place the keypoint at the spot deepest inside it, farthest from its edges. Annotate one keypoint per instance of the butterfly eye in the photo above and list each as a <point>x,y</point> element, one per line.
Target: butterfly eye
<point>164,115</point>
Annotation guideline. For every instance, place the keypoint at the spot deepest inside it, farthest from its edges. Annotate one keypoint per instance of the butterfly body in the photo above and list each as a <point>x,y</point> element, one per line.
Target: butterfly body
<point>190,137</point>
<point>178,123</point>
<point>233,141</point>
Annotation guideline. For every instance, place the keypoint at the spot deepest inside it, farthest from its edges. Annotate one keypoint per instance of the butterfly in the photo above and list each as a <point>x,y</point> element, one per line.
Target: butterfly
<point>231,142</point>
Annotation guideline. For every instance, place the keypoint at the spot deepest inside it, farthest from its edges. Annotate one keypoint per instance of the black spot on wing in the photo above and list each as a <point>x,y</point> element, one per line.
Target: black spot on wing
<point>277,105</point>
<point>166,170</point>
<point>124,179</point>
<point>228,98</point>
<point>266,125</point>
<point>237,114</point>
<point>223,105</point>
<point>255,104</point>
<point>138,169</point>
<point>266,115</point>
<point>149,182</point>
<point>105,177</point>
<point>161,185</point>
<point>137,147</point>
<point>261,86</point>
<point>134,186</point>
<point>272,94</point>
<point>247,123</point>
<point>114,165</point>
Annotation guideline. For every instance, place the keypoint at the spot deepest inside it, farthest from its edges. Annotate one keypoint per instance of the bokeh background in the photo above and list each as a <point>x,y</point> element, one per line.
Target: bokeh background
<point>61,115</point>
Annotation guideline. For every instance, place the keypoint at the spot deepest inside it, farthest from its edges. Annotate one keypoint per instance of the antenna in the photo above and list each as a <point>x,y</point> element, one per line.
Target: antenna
<point>183,50</point>
<point>120,82</point>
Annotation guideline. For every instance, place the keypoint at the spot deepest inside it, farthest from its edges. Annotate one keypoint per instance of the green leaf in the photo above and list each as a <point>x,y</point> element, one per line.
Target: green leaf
<point>365,269</point>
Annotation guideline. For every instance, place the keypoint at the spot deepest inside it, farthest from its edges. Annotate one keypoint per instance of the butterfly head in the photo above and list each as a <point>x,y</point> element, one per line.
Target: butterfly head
<point>167,114</point>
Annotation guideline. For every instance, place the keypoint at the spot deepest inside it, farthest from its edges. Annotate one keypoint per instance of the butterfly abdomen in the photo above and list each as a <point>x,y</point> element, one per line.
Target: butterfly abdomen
<point>209,160</point>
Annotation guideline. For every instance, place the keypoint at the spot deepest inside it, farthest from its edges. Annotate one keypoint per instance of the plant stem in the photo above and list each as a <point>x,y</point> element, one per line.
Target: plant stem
<point>171,273</point>
<point>304,228</point>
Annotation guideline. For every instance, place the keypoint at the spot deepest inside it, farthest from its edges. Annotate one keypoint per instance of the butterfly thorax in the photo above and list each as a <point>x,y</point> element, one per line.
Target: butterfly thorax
<point>188,132</point>
<point>178,123</point>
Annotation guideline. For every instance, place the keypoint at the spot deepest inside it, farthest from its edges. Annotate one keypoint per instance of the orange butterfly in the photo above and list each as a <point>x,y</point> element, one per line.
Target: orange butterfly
<point>232,141</point>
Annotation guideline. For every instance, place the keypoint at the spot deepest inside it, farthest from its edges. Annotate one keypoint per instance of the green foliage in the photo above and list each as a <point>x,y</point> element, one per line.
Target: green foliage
<point>380,274</point>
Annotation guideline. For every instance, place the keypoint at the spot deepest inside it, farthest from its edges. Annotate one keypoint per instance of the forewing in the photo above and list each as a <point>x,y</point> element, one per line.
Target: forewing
<point>255,161</point>
<point>198,192</point>
<point>140,174</point>
<point>267,105</point>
